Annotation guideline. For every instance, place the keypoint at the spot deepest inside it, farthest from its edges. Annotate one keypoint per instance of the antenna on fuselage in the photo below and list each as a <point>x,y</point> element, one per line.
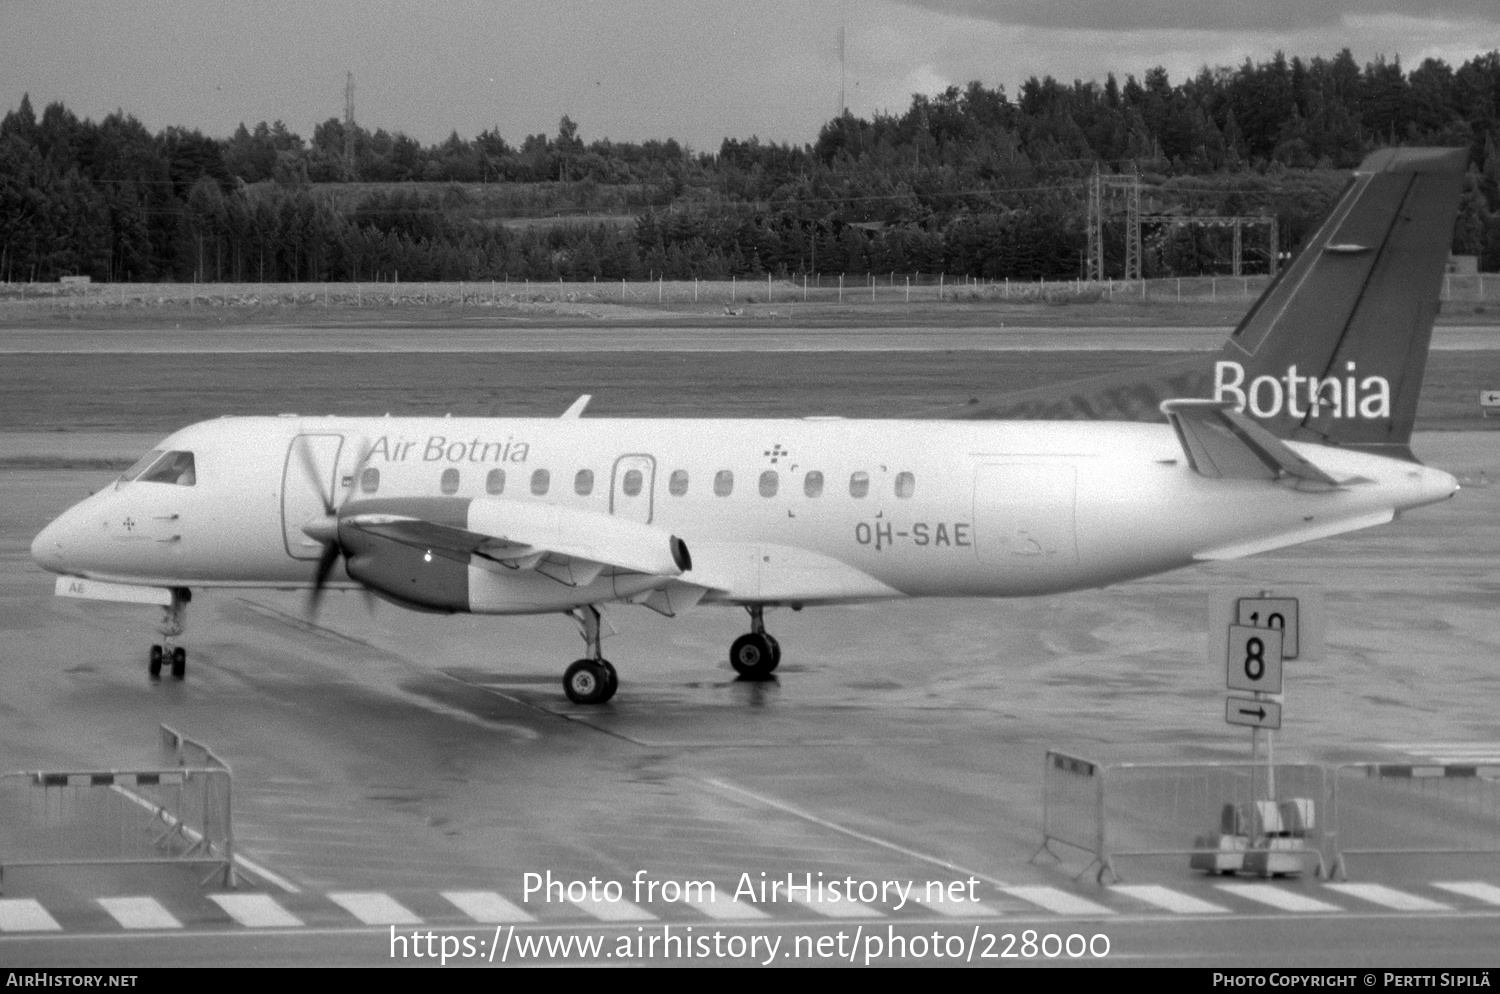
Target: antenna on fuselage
<point>575,410</point>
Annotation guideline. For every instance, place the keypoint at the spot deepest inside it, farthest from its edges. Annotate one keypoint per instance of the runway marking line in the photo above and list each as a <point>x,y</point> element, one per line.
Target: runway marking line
<point>1478,890</point>
<point>1389,897</point>
<point>613,911</point>
<point>956,909</point>
<point>839,909</point>
<point>255,869</point>
<point>1279,898</point>
<point>374,908</point>
<point>721,906</point>
<point>1059,901</point>
<point>852,833</point>
<point>256,910</point>
<point>25,914</point>
<point>486,907</point>
<point>1169,900</point>
<point>139,912</point>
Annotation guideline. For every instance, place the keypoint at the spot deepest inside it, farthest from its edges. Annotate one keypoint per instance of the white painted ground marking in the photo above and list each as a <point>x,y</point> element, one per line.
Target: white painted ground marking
<point>724,906</point>
<point>486,906</point>
<point>1277,897</point>
<point>1452,753</point>
<point>269,877</point>
<point>374,908</point>
<point>1173,901</point>
<point>192,833</point>
<point>255,910</point>
<point>1479,891</point>
<point>839,909</point>
<point>24,914</point>
<point>955,909</point>
<point>614,911</point>
<point>1058,901</point>
<point>1389,897</point>
<point>139,912</point>
<point>852,833</point>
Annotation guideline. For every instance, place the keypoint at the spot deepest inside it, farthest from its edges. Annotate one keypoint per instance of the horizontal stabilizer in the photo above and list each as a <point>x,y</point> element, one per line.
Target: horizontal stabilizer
<point>1222,443</point>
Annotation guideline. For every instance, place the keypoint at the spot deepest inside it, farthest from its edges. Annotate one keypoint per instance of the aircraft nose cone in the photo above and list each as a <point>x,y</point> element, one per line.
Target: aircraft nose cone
<point>47,548</point>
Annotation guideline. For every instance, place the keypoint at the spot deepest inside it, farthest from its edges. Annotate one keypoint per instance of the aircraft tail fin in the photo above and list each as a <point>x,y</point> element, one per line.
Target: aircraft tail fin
<point>1335,349</point>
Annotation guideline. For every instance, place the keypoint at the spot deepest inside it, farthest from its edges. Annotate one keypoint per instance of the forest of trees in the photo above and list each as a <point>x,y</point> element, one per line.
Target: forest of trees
<point>966,182</point>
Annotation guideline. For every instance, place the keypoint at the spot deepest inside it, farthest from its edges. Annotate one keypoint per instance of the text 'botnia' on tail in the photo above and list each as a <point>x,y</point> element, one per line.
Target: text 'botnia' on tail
<point>1335,349</point>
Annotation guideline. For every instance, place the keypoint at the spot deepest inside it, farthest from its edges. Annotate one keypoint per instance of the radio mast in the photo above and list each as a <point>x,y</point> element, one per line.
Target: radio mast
<point>349,124</point>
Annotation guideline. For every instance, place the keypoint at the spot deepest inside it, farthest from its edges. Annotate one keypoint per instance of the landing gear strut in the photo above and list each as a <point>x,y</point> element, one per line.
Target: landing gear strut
<point>173,623</point>
<point>755,655</point>
<point>591,680</point>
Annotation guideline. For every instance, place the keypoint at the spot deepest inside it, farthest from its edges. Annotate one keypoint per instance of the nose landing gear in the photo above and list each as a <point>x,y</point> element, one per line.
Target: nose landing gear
<point>756,654</point>
<point>173,624</point>
<point>591,680</point>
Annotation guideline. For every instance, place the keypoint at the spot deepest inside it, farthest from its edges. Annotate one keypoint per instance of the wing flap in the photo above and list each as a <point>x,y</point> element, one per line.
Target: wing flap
<point>570,546</point>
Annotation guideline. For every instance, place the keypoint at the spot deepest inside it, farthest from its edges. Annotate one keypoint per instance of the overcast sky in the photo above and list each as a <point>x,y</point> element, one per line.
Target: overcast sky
<point>695,70</point>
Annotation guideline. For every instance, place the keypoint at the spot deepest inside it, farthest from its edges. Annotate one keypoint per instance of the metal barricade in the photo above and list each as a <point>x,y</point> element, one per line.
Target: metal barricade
<point>177,814</point>
<point>1073,807</point>
<point>1224,817</point>
<point>1414,809</point>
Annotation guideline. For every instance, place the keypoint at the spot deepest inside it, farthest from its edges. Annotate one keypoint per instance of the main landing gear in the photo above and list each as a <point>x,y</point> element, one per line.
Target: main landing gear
<point>173,624</point>
<point>756,654</point>
<point>591,680</point>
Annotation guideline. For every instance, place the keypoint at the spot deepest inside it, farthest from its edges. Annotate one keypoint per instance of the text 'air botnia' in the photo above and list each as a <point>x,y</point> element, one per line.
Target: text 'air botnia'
<point>802,888</point>
<point>1350,397</point>
<point>440,448</point>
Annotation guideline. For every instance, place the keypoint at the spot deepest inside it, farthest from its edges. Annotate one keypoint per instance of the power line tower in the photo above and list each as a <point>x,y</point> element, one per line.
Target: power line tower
<point>1096,227</point>
<point>349,124</point>
<point>1129,185</point>
<point>1235,222</point>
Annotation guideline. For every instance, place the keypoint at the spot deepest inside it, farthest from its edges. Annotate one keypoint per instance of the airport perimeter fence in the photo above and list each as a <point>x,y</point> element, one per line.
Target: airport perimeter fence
<point>734,295</point>
<point>176,813</point>
<point>1265,819</point>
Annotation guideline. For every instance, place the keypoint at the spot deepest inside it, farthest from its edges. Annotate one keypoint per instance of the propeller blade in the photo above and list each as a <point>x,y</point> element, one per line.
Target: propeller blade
<point>310,468</point>
<point>331,553</point>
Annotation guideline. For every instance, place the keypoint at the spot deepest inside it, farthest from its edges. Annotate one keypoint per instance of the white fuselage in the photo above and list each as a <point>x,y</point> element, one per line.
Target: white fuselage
<point>905,508</point>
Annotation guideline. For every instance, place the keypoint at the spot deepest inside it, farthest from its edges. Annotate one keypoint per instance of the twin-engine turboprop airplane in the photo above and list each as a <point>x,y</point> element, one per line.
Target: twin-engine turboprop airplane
<point>524,516</point>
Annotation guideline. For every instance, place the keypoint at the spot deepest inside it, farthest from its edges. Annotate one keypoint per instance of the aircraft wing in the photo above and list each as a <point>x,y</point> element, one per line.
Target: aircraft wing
<point>1222,443</point>
<point>573,547</point>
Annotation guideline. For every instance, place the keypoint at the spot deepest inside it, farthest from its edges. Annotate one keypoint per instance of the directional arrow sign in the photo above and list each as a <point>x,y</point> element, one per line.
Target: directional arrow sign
<point>1489,398</point>
<point>1249,711</point>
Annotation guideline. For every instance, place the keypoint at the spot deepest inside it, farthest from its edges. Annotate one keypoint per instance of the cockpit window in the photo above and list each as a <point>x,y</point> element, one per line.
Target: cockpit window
<point>166,467</point>
<point>141,465</point>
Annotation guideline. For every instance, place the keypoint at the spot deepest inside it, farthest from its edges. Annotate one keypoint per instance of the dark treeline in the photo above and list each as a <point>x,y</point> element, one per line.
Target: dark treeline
<point>967,182</point>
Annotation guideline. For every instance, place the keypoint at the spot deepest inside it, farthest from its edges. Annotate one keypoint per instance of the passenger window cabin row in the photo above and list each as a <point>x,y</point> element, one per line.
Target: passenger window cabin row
<point>633,481</point>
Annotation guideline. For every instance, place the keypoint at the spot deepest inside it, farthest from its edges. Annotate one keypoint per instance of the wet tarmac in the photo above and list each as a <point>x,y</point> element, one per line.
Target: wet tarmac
<point>382,752</point>
<point>393,770</point>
